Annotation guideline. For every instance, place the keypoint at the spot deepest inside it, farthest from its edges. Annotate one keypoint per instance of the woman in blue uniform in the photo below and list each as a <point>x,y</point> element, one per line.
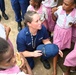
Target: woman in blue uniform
<point>31,36</point>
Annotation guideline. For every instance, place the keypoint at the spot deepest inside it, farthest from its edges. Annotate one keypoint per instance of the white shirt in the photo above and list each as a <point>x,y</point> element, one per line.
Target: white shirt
<point>50,3</point>
<point>64,20</point>
<point>2,31</point>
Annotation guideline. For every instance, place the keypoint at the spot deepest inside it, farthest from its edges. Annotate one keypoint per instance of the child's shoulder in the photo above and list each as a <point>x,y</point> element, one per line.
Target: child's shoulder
<point>30,7</point>
<point>59,7</point>
<point>43,7</point>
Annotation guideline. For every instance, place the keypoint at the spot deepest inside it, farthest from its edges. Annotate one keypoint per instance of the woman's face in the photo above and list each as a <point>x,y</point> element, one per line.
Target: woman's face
<point>36,22</point>
<point>67,5</point>
<point>8,59</point>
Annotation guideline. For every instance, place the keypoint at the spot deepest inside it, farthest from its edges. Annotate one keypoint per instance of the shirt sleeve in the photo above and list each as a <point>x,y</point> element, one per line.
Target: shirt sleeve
<point>21,45</point>
<point>44,32</point>
<point>29,8</point>
<point>58,11</point>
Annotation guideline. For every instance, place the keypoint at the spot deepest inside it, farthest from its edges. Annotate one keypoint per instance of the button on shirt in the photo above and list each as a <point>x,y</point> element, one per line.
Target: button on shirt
<point>24,40</point>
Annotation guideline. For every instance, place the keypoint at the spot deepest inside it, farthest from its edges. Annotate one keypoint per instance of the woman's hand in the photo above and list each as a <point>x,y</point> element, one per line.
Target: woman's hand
<point>37,53</point>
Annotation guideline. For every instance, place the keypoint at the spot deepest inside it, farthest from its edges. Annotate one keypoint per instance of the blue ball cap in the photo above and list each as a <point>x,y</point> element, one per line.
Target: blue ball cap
<point>48,49</point>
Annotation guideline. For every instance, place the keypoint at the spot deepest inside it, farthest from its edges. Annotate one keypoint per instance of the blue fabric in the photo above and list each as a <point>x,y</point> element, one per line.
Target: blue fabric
<point>31,62</point>
<point>2,5</point>
<point>48,50</point>
<point>19,6</point>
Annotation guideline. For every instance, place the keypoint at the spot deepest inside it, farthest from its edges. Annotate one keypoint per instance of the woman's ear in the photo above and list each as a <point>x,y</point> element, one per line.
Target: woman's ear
<point>28,23</point>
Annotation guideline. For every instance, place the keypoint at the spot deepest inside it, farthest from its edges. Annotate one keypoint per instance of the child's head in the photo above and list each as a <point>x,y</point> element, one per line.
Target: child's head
<point>36,3</point>
<point>7,58</point>
<point>68,5</point>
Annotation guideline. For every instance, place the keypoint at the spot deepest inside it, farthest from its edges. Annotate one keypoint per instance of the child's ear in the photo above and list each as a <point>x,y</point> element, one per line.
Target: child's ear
<point>74,6</point>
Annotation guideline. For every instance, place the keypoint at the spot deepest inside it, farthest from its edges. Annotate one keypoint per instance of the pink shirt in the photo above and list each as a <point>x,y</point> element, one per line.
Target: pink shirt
<point>12,70</point>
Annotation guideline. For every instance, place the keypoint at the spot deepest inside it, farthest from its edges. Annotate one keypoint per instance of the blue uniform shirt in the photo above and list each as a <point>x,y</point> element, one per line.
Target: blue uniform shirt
<point>24,40</point>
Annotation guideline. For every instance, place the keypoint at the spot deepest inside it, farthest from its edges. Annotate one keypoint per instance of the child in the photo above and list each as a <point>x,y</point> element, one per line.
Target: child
<point>8,61</point>
<point>70,60</point>
<point>49,4</point>
<point>36,5</point>
<point>65,15</point>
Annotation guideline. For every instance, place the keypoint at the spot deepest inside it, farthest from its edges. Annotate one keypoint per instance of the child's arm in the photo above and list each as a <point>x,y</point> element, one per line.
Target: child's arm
<point>60,53</point>
<point>29,71</point>
<point>24,66</point>
<point>7,30</point>
<point>53,15</point>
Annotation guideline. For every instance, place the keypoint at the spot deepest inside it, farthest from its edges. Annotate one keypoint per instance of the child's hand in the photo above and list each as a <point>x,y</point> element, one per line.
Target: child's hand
<point>7,30</point>
<point>21,61</point>
<point>54,9</point>
<point>60,53</point>
<point>24,66</point>
<point>18,59</point>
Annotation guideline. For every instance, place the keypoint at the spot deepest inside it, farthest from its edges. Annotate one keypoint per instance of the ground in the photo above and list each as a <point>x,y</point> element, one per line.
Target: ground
<point>39,68</point>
